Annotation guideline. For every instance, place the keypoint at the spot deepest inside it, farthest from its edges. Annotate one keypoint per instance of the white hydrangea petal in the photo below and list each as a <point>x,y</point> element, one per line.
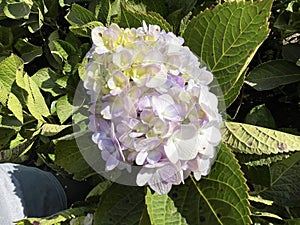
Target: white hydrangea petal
<point>144,175</point>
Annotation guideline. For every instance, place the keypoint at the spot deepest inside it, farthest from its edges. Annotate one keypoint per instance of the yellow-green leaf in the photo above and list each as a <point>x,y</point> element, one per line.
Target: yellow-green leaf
<point>250,139</point>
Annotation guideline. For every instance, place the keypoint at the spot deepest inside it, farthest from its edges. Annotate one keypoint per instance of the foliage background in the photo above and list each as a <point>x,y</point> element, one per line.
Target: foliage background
<point>251,47</point>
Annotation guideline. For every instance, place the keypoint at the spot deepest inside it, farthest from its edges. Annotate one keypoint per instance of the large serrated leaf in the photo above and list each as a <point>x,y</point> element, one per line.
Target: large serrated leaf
<point>161,210</point>
<point>130,18</point>
<point>273,74</point>
<point>219,199</point>
<point>250,139</point>
<point>120,205</point>
<point>227,37</point>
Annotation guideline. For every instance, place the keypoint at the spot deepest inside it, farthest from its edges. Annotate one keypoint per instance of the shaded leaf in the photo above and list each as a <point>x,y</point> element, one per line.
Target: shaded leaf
<point>18,10</point>
<point>261,116</point>
<point>161,209</point>
<point>226,38</point>
<point>98,190</point>
<point>120,205</point>
<point>249,139</point>
<point>79,15</point>
<point>291,52</point>
<point>273,74</point>
<point>28,51</point>
<point>219,198</point>
<point>46,78</point>
<point>285,178</point>
<point>68,156</point>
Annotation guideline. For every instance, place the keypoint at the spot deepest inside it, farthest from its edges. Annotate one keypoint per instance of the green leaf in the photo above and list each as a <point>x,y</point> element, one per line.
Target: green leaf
<point>78,15</point>
<point>249,139</point>
<point>261,160</point>
<point>226,38</point>
<point>52,129</point>
<point>18,10</point>
<point>35,101</point>
<point>64,109</point>
<point>291,52</point>
<point>292,222</point>
<point>10,67</point>
<point>261,116</point>
<point>130,18</point>
<point>161,210</point>
<point>58,217</point>
<point>219,198</point>
<point>273,74</point>
<point>85,30</point>
<point>120,205</point>
<point>18,147</point>
<point>46,78</point>
<point>69,157</point>
<point>6,133</point>
<point>28,51</point>
<point>98,190</point>
<point>285,178</point>
<point>15,106</point>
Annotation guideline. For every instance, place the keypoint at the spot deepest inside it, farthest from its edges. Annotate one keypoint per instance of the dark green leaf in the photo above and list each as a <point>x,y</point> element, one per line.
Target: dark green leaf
<point>27,50</point>
<point>78,15</point>
<point>261,116</point>
<point>18,10</point>
<point>273,74</point>
<point>285,178</point>
<point>69,157</point>
<point>120,205</point>
<point>219,198</point>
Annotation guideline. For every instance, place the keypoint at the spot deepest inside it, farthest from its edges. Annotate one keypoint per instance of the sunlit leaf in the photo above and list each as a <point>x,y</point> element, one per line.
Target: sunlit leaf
<point>226,38</point>
<point>58,217</point>
<point>161,209</point>
<point>250,139</point>
<point>130,18</point>
<point>52,129</point>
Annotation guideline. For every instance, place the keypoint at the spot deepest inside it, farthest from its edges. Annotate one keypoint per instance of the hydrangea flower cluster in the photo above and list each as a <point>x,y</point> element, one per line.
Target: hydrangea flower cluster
<point>151,105</point>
